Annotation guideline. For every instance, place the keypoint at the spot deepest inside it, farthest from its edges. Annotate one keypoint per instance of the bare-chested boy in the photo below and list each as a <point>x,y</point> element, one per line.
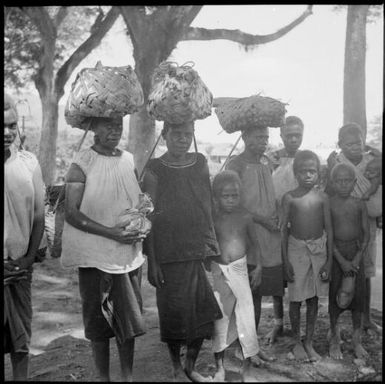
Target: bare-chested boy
<point>307,241</point>
<point>234,229</point>
<point>350,237</point>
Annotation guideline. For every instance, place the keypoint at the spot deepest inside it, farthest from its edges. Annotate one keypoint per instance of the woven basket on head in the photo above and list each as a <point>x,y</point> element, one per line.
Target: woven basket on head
<point>178,94</point>
<point>254,111</point>
<point>103,92</point>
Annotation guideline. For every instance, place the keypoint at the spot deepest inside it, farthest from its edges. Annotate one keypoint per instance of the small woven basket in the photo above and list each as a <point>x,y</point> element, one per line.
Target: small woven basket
<point>178,94</point>
<point>103,92</point>
<point>254,111</point>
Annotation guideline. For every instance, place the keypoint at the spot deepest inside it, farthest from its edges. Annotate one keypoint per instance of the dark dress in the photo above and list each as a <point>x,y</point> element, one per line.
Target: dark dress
<point>184,236</point>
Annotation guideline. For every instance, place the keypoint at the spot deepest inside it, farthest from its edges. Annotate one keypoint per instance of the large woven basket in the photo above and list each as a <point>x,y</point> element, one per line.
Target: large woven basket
<point>254,111</point>
<point>178,94</point>
<point>103,92</point>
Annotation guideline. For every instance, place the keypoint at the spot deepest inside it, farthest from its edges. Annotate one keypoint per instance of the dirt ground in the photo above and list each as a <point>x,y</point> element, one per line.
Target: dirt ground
<point>59,351</point>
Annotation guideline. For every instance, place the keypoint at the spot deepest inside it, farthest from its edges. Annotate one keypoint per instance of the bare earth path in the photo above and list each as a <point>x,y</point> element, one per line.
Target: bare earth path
<point>60,352</point>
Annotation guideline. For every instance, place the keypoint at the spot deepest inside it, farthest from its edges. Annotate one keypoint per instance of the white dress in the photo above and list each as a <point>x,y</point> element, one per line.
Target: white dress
<point>110,188</point>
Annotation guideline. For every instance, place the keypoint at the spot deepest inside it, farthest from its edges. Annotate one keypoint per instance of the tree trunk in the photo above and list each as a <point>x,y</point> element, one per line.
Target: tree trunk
<point>354,70</point>
<point>49,130</point>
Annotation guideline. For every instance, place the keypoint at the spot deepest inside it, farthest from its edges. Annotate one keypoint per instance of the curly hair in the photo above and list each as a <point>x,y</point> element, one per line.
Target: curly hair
<point>224,178</point>
<point>305,155</point>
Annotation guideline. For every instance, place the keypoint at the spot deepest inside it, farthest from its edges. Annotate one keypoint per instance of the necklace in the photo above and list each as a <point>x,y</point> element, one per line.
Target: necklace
<point>105,152</point>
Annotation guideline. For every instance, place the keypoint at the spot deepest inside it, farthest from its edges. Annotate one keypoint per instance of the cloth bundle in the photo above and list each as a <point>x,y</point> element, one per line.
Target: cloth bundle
<point>103,92</point>
<point>254,111</point>
<point>178,94</point>
<point>135,219</point>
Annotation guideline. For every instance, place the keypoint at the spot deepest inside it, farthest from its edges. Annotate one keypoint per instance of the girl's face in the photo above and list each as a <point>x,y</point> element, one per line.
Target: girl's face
<point>109,132</point>
<point>307,173</point>
<point>292,137</point>
<point>179,138</point>
<point>352,146</point>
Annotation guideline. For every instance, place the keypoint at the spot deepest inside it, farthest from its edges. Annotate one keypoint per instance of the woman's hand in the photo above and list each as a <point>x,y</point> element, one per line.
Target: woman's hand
<point>289,272</point>
<point>256,277</point>
<point>14,270</point>
<point>119,233</point>
<point>270,223</point>
<point>154,274</point>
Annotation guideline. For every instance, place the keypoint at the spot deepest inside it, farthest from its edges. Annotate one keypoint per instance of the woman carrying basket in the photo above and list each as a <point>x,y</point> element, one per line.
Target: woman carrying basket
<point>100,185</point>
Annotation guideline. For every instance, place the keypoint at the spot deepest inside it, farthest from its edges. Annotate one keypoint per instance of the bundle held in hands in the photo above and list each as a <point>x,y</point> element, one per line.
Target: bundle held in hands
<point>254,111</point>
<point>103,92</point>
<point>178,94</point>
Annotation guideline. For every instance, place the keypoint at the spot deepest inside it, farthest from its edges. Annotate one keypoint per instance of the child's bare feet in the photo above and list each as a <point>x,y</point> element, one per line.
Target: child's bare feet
<point>299,352</point>
<point>219,376</point>
<point>372,326</point>
<point>335,349</point>
<point>271,337</point>
<point>198,378</point>
<point>263,356</point>
<point>312,354</point>
<point>360,352</point>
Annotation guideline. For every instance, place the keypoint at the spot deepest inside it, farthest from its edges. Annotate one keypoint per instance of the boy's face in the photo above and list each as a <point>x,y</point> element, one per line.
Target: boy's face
<point>307,173</point>
<point>256,141</point>
<point>343,182</point>
<point>352,146</point>
<point>292,137</point>
<point>229,197</point>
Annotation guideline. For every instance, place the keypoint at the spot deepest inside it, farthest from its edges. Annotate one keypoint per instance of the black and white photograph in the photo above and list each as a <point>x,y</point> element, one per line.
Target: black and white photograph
<point>193,193</point>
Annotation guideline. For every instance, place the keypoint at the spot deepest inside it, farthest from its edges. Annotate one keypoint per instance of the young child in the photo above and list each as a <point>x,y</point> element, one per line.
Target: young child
<point>284,181</point>
<point>307,241</point>
<point>373,196</point>
<point>234,229</point>
<point>350,236</point>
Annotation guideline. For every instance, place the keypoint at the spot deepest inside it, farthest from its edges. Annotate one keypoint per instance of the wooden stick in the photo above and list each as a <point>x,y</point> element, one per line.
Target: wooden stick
<point>149,157</point>
<point>232,150</point>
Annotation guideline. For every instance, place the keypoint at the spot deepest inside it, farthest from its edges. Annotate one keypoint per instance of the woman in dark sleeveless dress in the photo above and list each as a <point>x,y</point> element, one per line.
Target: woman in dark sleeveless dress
<point>182,238</point>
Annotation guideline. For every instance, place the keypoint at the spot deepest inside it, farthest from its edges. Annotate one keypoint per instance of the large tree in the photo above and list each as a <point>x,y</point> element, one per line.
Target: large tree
<point>354,68</point>
<point>54,30</point>
<point>155,32</point>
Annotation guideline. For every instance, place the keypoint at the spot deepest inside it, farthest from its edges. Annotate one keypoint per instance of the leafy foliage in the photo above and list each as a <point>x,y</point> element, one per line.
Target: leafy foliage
<point>22,40</point>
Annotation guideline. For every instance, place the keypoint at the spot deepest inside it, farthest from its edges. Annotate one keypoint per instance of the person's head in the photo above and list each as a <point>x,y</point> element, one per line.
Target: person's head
<point>10,121</point>
<point>178,137</point>
<point>108,131</point>
<point>256,140</point>
<point>350,141</point>
<point>373,168</point>
<point>292,134</point>
<point>343,178</point>
<point>306,168</point>
<point>227,190</point>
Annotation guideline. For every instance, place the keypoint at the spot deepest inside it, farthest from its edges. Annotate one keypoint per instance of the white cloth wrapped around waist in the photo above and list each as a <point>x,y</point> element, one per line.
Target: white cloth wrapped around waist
<point>233,294</point>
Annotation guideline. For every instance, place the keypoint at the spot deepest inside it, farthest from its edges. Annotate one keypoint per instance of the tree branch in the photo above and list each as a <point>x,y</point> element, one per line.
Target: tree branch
<point>43,22</point>
<point>242,37</point>
<point>84,49</point>
<point>60,16</point>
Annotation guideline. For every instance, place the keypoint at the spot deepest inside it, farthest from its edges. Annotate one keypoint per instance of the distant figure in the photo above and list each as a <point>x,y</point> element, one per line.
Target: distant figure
<point>284,181</point>
<point>353,152</point>
<point>182,239</point>
<point>307,246</point>
<point>234,228</point>
<point>351,237</point>
<point>23,231</point>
